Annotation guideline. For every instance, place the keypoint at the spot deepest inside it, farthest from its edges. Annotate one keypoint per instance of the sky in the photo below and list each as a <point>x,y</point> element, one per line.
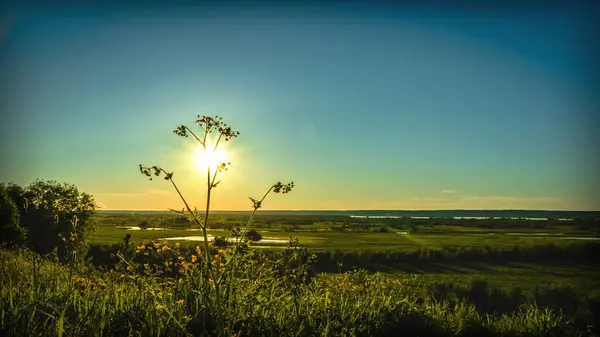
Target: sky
<point>361,106</point>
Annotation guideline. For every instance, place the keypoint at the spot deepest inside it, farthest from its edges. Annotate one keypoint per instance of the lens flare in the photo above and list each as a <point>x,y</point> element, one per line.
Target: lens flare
<point>205,159</point>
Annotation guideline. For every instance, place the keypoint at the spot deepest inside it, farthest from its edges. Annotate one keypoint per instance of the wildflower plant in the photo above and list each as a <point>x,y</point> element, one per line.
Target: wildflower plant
<point>218,268</point>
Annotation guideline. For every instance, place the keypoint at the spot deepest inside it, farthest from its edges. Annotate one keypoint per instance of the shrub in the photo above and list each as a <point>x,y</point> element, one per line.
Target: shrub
<point>11,232</point>
<point>253,235</point>
<point>144,225</point>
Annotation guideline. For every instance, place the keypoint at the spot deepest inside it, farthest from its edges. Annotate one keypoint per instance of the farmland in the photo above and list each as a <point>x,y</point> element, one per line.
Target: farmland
<point>329,233</point>
<point>437,256</point>
<point>345,275</point>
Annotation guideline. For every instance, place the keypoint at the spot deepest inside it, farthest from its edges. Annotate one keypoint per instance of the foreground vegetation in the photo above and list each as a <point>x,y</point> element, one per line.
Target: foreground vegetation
<point>268,297</point>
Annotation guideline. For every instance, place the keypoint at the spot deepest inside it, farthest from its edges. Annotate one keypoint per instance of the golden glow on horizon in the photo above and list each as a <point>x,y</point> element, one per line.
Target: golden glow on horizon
<point>204,159</point>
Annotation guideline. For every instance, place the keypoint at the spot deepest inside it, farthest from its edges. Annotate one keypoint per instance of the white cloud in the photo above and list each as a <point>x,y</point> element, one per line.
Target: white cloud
<point>123,195</point>
<point>504,198</point>
<point>146,193</point>
<point>428,199</point>
<point>508,202</point>
<point>474,202</point>
<point>101,205</point>
<point>156,191</point>
<point>450,191</point>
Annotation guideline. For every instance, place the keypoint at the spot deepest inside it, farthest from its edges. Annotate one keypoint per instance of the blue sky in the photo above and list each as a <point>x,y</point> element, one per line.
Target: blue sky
<point>363,107</point>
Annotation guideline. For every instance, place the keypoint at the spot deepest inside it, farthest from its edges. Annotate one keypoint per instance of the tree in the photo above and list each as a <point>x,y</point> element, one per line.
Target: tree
<point>253,235</point>
<point>10,230</point>
<point>144,225</point>
<point>220,241</point>
<point>48,210</point>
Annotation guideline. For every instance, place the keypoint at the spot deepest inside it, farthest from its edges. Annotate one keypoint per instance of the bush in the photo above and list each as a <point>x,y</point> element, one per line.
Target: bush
<point>253,235</point>
<point>220,241</point>
<point>144,225</point>
<point>11,232</point>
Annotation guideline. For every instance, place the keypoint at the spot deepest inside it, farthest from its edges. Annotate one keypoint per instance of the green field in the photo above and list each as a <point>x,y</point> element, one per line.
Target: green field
<point>371,276</point>
<point>323,234</point>
<point>319,235</point>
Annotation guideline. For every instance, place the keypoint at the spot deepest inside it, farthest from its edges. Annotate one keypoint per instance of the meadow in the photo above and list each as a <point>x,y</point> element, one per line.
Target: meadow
<point>498,266</point>
<point>329,233</point>
<point>310,274</point>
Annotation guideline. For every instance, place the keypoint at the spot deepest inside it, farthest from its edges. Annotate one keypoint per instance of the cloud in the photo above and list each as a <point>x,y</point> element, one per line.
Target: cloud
<point>510,202</point>
<point>428,199</point>
<point>123,195</point>
<point>155,191</point>
<point>504,198</point>
<point>474,202</point>
<point>147,193</point>
<point>450,191</point>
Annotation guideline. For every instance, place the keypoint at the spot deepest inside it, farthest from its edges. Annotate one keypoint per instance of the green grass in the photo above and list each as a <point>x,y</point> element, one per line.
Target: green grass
<point>354,241</point>
<point>37,297</point>
<point>420,282</point>
<point>585,280</point>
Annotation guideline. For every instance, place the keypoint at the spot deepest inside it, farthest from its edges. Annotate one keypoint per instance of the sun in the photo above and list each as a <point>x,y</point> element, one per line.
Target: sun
<point>204,159</point>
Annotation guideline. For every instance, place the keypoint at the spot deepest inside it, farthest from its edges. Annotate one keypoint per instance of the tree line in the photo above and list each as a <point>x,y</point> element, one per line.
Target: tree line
<point>45,215</point>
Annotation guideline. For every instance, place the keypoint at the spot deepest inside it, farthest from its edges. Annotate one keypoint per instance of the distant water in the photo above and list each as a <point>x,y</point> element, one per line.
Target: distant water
<point>455,217</point>
<point>418,214</point>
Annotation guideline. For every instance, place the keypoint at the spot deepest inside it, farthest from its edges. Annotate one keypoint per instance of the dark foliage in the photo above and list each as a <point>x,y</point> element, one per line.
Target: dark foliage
<point>47,210</point>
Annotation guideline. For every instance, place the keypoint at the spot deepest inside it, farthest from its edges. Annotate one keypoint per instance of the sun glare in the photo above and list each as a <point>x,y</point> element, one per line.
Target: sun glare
<point>204,159</point>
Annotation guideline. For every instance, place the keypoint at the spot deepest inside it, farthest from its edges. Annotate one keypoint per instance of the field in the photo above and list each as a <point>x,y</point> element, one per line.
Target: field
<point>350,234</point>
<point>368,276</point>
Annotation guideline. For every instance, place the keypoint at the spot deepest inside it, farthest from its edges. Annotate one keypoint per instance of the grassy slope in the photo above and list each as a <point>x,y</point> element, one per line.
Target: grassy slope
<point>39,297</point>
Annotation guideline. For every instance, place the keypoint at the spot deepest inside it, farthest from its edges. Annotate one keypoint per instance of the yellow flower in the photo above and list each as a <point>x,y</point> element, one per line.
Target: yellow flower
<point>198,250</point>
<point>164,248</point>
<point>122,275</point>
<point>176,244</point>
<point>137,251</point>
<point>180,302</point>
<point>142,247</point>
<point>146,266</point>
<point>221,264</point>
<point>194,258</point>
